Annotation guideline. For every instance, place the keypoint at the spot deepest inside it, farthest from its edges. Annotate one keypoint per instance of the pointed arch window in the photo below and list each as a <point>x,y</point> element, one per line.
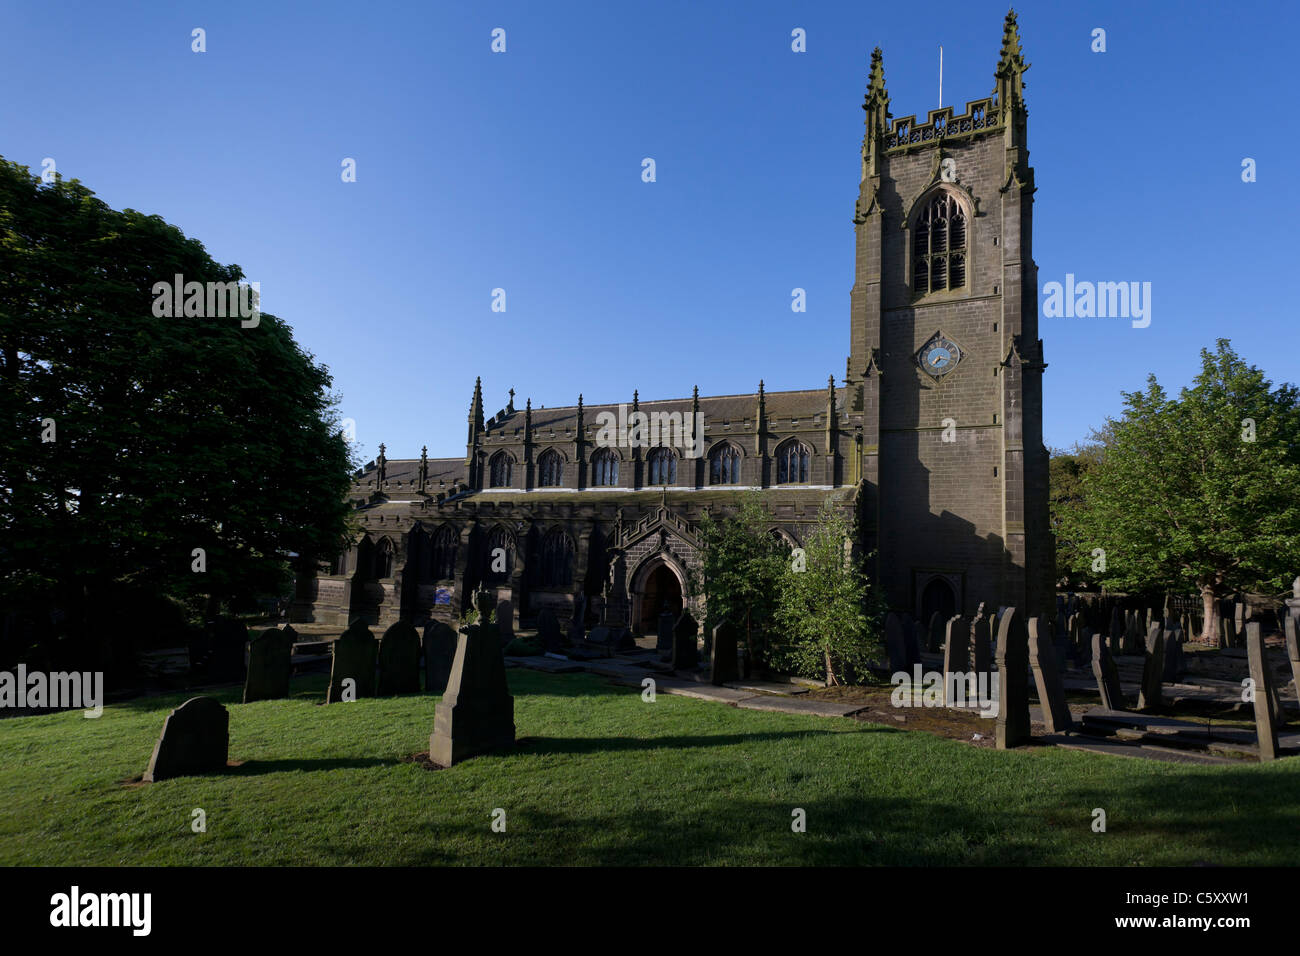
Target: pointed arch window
<point>557,560</point>
<point>550,469</point>
<point>500,558</point>
<point>445,543</point>
<point>663,467</point>
<point>499,469</point>
<point>939,246</point>
<point>724,465</point>
<point>384,559</point>
<point>604,468</point>
<point>792,463</point>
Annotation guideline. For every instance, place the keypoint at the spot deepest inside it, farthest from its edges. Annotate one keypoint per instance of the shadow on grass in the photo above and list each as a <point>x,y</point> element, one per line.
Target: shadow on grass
<point>252,768</point>
<point>578,745</point>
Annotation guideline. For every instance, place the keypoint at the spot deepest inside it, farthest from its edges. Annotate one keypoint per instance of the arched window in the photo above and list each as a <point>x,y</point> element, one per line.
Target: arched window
<point>557,560</point>
<point>500,557</point>
<point>604,467</point>
<point>792,460</point>
<point>384,559</point>
<point>724,465</point>
<point>939,246</point>
<point>499,468</point>
<point>445,543</point>
<point>663,467</point>
<point>550,469</point>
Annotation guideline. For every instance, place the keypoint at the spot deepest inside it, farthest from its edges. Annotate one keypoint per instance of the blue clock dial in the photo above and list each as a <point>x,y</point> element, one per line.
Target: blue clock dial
<point>939,356</point>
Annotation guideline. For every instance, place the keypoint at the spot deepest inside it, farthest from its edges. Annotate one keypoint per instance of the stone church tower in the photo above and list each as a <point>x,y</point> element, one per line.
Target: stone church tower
<point>945,362</point>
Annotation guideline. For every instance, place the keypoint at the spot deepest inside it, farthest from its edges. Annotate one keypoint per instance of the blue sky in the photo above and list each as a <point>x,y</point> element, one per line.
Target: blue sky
<point>522,171</point>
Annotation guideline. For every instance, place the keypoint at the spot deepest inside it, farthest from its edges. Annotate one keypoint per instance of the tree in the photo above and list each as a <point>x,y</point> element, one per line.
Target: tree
<point>826,612</point>
<point>741,566</point>
<point>1198,491</point>
<point>178,443</point>
<point>1066,470</point>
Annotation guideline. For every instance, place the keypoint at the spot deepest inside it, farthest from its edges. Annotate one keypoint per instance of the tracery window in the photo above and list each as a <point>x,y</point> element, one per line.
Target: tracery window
<point>500,468</point>
<point>724,465</point>
<point>792,461</point>
<point>557,560</point>
<point>663,467</point>
<point>550,469</point>
<point>500,558</point>
<point>604,468</point>
<point>445,543</point>
<point>939,246</point>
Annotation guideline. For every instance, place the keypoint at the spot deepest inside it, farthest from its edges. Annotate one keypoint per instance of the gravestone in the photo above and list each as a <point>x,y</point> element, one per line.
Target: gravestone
<point>548,629</point>
<point>1153,668</point>
<point>934,643</point>
<point>1238,624</point>
<point>895,645</point>
<point>1047,679</point>
<point>664,632</point>
<point>686,653</point>
<point>1173,656</point>
<point>399,660</point>
<point>505,621</point>
<point>1116,634</point>
<point>228,639</point>
<point>439,652</point>
<point>1012,658</point>
<point>354,659</point>
<point>981,645</point>
<point>722,667</point>
<point>1107,674</point>
<point>1292,648</point>
<point>269,665</point>
<point>577,632</point>
<point>915,641</point>
<point>1265,729</point>
<point>195,739</point>
<point>1085,646</point>
<point>477,714</point>
<point>1133,637</point>
<point>956,654</point>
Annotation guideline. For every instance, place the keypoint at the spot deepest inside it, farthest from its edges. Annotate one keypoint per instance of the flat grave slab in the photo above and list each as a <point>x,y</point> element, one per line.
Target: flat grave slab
<point>797,705</point>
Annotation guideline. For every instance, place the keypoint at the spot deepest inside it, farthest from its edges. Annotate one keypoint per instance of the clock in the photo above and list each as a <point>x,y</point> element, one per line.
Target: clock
<point>940,355</point>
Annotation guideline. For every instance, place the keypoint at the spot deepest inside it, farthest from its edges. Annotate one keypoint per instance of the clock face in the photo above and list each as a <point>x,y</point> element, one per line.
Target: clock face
<point>939,355</point>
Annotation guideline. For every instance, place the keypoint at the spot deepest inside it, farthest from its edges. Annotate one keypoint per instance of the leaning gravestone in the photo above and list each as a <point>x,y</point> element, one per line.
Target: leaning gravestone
<point>664,634</point>
<point>354,659</point>
<point>956,654</point>
<point>936,634</point>
<point>685,650</point>
<point>399,660</point>
<point>982,645</point>
<point>1013,683</point>
<point>1265,729</point>
<point>228,639</point>
<point>1047,679</point>
<point>269,665</point>
<point>1153,669</point>
<point>1173,655</point>
<point>1107,674</point>
<point>439,652</point>
<point>477,714</point>
<point>894,643</point>
<point>505,621</point>
<point>548,629</point>
<point>195,739</point>
<point>723,666</point>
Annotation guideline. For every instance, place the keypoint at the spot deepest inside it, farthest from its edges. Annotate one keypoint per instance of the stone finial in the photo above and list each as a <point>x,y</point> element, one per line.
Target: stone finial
<point>510,405</point>
<point>1011,66</point>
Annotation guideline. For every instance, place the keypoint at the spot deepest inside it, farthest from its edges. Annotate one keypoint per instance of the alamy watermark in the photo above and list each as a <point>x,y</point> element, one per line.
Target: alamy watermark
<point>208,300</point>
<point>1102,300</point>
<point>955,689</point>
<point>58,690</point>
<point>651,429</point>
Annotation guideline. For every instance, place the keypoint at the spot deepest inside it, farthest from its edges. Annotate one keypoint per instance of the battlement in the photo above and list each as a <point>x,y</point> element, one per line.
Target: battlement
<point>981,116</point>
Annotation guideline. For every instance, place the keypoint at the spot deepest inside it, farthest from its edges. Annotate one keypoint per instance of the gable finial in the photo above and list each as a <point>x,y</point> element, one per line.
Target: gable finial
<point>1011,65</point>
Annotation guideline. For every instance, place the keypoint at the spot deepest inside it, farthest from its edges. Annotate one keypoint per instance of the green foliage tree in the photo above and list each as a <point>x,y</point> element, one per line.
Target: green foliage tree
<point>170,434</point>
<point>1198,491</point>
<point>741,567</point>
<point>1066,470</point>
<point>827,615</point>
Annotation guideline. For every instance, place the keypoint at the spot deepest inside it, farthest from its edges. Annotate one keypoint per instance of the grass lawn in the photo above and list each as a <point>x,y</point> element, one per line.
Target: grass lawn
<point>605,778</point>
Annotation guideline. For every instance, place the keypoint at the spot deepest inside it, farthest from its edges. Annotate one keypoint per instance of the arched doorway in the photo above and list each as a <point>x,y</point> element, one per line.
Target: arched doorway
<point>937,596</point>
<point>658,586</point>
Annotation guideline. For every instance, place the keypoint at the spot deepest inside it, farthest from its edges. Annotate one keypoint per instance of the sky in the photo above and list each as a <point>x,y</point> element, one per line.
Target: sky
<point>522,170</point>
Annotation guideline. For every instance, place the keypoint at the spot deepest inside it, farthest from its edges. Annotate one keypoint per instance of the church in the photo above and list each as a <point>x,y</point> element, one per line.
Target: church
<point>933,438</point>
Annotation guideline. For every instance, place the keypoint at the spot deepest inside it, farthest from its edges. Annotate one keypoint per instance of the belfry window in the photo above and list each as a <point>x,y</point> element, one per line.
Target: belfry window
<point>792,461</point>
<point>663,467</point>
<point>939,246</point>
